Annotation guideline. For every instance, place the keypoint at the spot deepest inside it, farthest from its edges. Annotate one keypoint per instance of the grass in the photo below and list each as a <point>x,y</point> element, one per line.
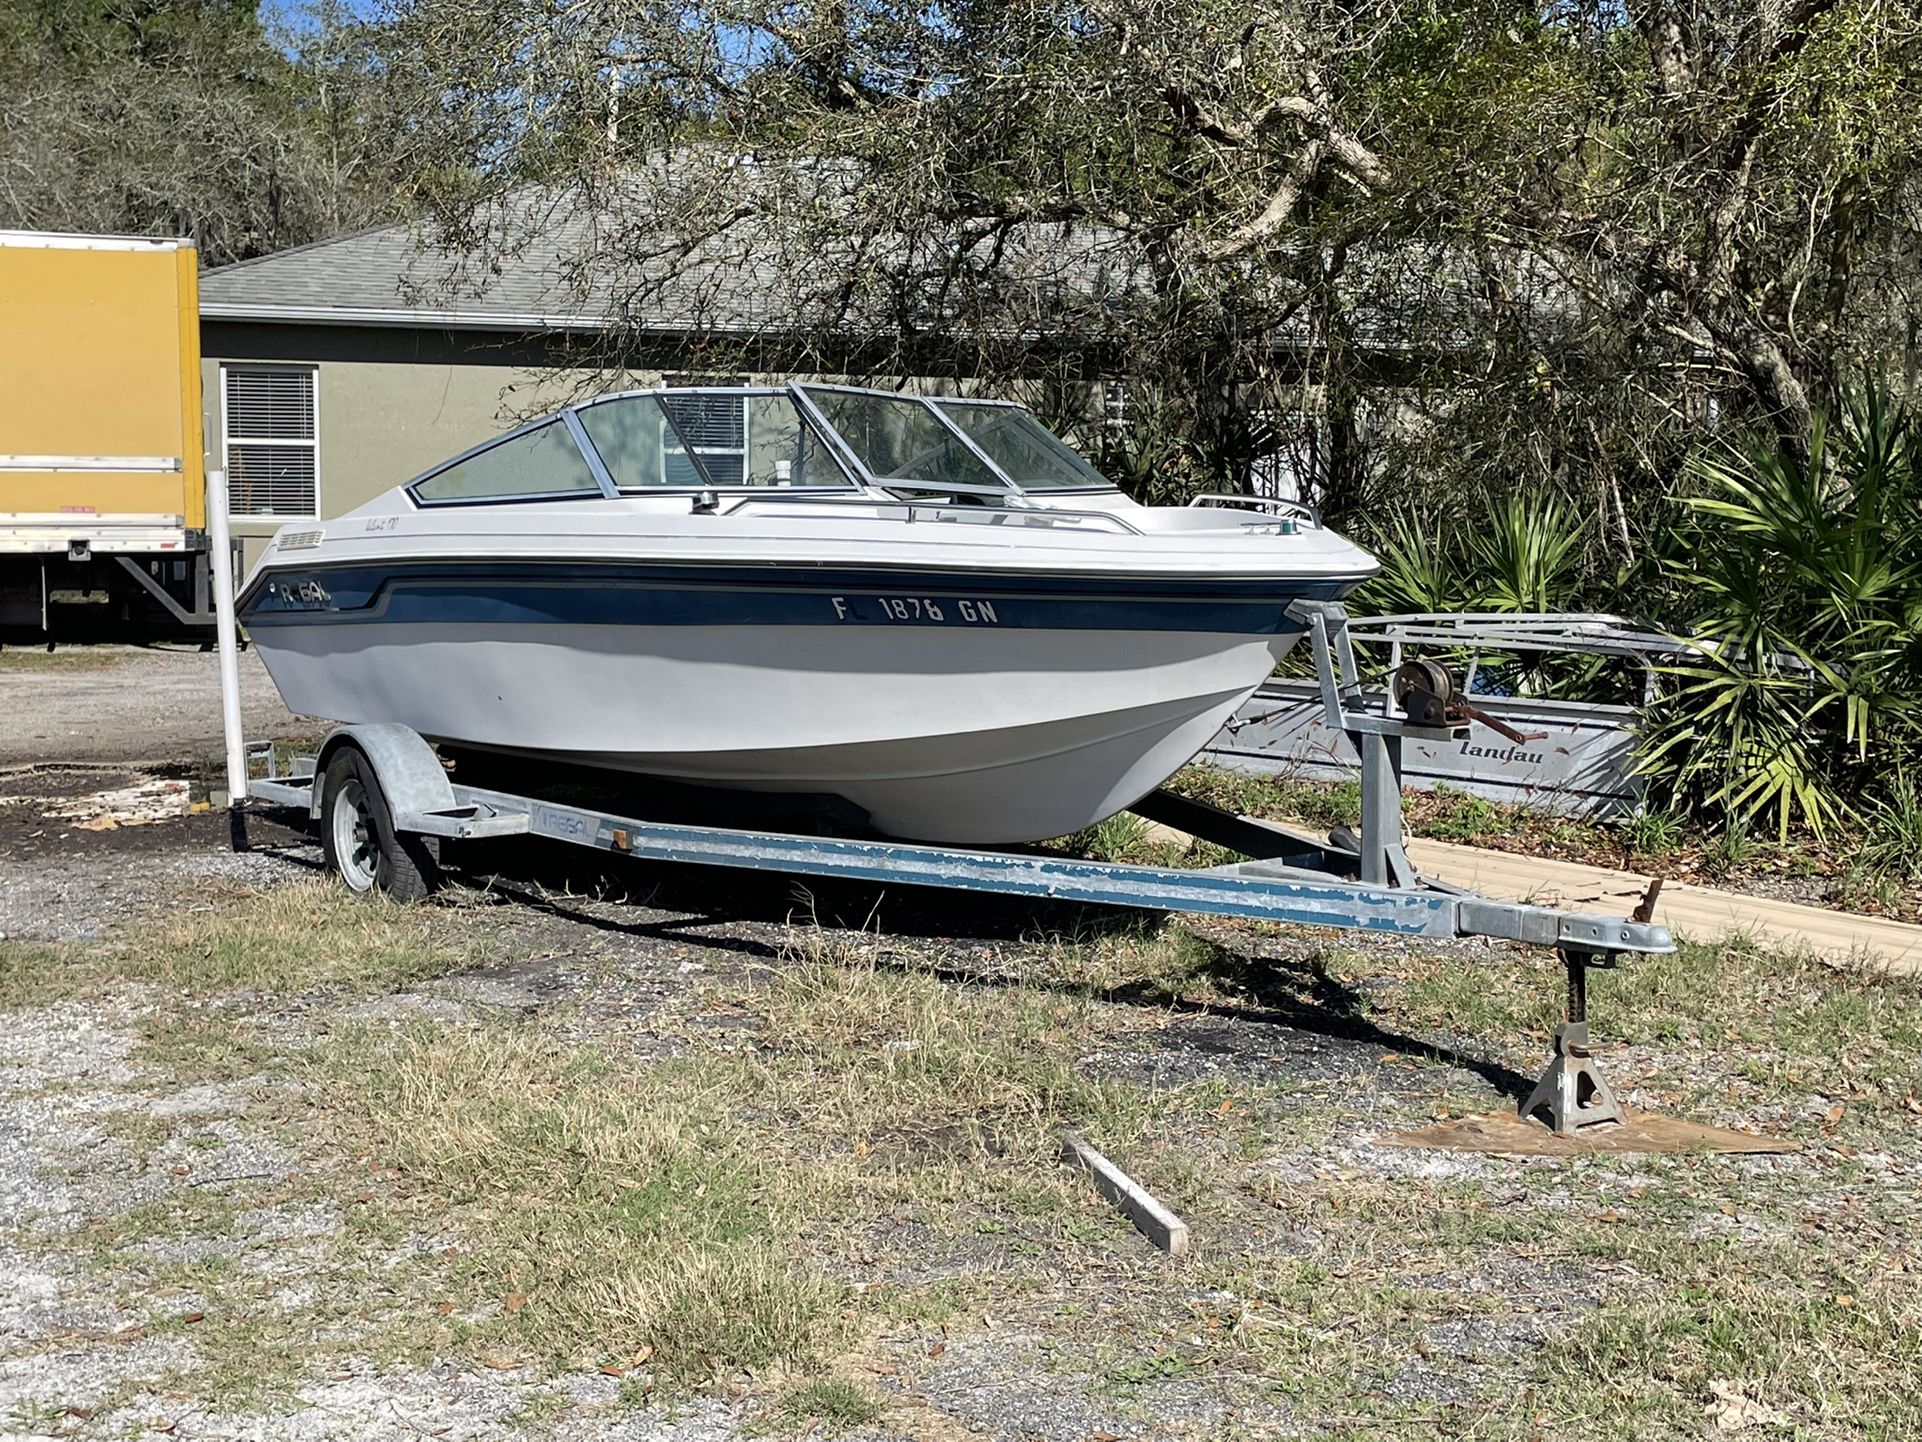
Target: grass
<point>33,974</point>
<point>66,658</point>
<point>675,1217</point>
<point>831,1403</point>
<point>304,937</point>
<point>847,1143</point>
<point>1892,846</point>
<point>1653,834</point>
<point>625,1209</point>
<point>1840,1033</point>
<point>1277,797</point>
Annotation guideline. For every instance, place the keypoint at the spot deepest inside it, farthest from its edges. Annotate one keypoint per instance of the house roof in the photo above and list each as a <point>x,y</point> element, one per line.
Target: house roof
<point>557,266</point>
<point>554,263</point>
<point>397,275</point>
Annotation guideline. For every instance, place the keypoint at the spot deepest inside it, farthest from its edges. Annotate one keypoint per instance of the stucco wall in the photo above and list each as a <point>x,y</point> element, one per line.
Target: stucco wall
<point>391,404</point>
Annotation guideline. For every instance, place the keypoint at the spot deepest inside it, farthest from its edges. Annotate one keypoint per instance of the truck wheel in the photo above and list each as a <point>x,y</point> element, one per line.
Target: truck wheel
<point>357,833</point>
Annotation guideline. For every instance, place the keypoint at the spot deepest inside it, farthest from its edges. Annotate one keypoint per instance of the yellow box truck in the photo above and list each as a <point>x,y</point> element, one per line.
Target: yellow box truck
<point>102,493</point>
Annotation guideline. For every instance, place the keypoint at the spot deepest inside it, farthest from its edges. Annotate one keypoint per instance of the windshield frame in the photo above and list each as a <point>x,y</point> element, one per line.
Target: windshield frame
<point>855,473</point>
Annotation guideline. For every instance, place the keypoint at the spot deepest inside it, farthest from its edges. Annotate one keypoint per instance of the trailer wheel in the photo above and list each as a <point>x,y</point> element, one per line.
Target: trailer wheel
<point>357,833</point>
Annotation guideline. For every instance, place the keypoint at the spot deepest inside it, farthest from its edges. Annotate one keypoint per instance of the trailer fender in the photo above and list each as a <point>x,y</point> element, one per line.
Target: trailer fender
<point>410,774</point>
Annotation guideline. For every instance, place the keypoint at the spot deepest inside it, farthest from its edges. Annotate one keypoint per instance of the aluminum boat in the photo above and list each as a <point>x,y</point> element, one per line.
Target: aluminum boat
<point>930,608</point>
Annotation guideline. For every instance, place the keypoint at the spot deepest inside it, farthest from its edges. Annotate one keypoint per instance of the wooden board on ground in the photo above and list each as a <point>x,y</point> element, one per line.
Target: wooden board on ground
<point>1137,1203</point>
<point>1508,1134</point>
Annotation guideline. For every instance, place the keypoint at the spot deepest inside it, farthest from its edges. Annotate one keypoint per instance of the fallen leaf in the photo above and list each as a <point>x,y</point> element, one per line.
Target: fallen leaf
<point>195,1317</point>
<point>1835,1112</point>
<point>1731,1411</point>
<point>499,1364</point>
<point>513,1302</point>
<point>444,1308</point>
<point>610,1370</point>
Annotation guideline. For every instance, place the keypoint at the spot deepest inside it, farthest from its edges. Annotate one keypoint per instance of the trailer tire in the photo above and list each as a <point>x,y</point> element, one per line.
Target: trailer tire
<point>358,836</point>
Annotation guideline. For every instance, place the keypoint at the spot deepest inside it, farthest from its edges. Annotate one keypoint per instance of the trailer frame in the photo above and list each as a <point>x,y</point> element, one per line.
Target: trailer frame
<point>379,789</point>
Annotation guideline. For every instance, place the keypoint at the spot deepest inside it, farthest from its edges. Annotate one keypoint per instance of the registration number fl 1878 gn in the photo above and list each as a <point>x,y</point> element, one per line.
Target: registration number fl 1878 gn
<point>947,611</point>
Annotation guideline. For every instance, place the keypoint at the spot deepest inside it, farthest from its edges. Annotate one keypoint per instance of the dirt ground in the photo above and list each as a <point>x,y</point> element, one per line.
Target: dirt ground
<point>128,703</point>
<point>665,1154</point>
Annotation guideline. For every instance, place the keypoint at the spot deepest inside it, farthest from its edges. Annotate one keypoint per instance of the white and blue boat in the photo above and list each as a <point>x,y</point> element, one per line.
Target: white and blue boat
<point>931,608</point>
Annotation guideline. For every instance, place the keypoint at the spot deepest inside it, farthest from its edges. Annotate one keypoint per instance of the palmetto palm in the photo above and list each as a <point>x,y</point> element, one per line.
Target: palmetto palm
<point>1807,579</point>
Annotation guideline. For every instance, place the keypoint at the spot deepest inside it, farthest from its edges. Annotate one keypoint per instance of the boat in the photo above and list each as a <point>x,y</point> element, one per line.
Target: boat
<point>928,609</point>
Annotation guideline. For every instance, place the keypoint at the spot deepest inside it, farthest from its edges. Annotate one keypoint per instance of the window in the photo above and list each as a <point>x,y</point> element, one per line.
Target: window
<point>900,439</point>
<point>541,462</point>
<point>715,429</point>
<point>633,441</point>
<point>718,440</point>
<point>270,440</point>
<point>1035,458</point>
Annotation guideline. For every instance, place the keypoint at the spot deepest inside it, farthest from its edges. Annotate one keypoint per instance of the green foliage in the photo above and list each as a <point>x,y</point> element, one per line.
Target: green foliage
<point>830,1402</point>
<point>1806,576</point>
<point>192,118</point>
<point>1520,553</point>
<point>1461,816</point>
<point>1529,557</point>
<point>1892,843</point>
<point>1653,833</point>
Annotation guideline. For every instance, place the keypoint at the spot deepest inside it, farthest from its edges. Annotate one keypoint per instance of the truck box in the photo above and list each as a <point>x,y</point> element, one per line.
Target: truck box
<point>102,493</point>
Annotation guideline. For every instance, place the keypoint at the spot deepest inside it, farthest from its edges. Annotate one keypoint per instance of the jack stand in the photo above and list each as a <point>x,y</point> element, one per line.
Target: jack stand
<point>1572,1090</point>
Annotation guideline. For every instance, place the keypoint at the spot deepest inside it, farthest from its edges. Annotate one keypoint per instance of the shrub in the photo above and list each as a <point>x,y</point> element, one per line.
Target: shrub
<point>1805,572</point>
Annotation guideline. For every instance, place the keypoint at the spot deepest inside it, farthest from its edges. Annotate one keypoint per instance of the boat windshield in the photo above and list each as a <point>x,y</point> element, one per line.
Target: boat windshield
<point>901,439</point>
<point>724,439</point>
<point>1035,458</point>
<point>942,443</point>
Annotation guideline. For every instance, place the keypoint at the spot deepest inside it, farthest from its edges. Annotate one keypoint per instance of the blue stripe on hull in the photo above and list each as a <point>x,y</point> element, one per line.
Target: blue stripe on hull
<point>621,594</point>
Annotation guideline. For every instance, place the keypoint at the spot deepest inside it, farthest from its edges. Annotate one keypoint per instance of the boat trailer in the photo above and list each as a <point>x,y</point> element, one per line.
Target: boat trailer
<point>379,791</point>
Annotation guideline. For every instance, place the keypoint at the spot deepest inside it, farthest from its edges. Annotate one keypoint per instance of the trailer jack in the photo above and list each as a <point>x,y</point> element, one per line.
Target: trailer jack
<point>1572,1090</point>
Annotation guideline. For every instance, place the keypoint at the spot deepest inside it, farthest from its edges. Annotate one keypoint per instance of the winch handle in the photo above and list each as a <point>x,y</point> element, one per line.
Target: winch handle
<point>1500,727</point>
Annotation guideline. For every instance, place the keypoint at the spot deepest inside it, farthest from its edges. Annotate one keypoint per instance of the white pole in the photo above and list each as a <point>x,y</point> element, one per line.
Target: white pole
<point>226,635</point>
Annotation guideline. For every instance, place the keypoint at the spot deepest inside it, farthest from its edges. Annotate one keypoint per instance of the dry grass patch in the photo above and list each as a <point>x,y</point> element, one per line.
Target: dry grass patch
<point>608,1215</point>
<point>865,1046</point>
<point>677,1214</point>
<point>309,936</point>
<point>63,659</point>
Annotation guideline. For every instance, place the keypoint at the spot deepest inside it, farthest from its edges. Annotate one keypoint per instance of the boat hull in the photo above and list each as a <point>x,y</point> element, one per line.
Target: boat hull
<point>963,736</point>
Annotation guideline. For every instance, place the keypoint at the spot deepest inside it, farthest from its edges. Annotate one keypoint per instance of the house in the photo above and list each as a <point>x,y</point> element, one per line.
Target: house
<point>335,371</point>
